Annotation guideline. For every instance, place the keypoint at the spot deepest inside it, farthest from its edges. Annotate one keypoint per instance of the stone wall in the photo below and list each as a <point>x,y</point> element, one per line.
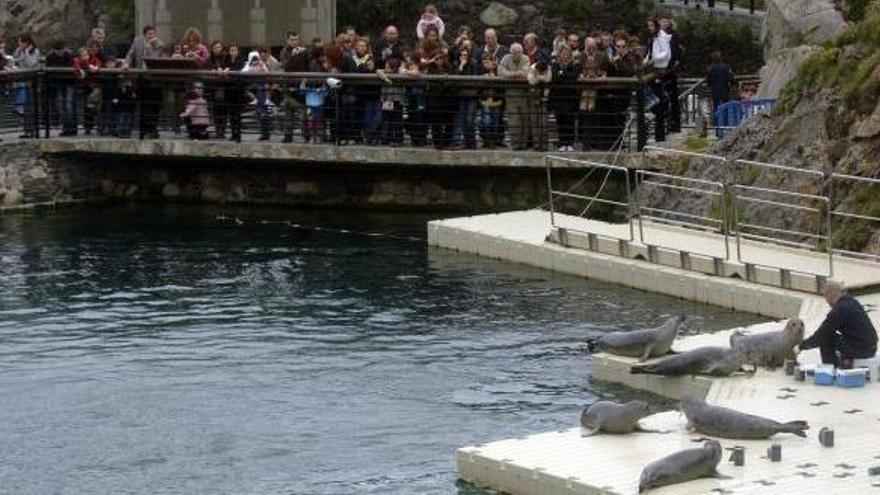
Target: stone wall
<point>28,177</point>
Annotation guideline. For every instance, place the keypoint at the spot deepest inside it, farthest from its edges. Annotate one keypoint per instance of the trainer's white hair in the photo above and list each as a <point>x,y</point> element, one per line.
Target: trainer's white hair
<point>833,290</point>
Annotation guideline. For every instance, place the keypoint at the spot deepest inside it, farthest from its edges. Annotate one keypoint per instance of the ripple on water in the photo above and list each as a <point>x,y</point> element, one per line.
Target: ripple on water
<point>149,349</point>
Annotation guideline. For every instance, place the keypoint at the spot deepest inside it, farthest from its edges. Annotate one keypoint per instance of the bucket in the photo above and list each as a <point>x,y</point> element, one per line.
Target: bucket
<point>851,378</point>
<point>824,375</point>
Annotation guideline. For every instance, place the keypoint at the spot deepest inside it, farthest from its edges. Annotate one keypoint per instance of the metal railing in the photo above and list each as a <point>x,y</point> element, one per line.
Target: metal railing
<point>590,199</point>
<point>672,184</point>
<point>428,110</point>
<point>844,215</point>
<point>733,197</point>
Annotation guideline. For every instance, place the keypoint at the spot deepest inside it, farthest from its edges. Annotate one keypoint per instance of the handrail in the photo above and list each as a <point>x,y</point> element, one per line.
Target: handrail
<point>661,149</point>
<point>806,171</point>
<point>593,198</point>
<point>449,79</point>
<point>835,213</point>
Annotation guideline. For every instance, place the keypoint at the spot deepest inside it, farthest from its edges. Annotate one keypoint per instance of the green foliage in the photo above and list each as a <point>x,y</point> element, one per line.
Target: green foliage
<point>721,208</point>
<point>858,8</point>
<point>703,34</point>
<point>848,64</point>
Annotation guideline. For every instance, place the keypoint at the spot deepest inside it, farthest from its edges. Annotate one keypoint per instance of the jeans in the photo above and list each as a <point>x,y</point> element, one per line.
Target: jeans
<point>490,126</point>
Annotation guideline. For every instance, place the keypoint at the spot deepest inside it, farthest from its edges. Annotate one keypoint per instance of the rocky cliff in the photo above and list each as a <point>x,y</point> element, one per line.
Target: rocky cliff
<point>828,119</point>
<point>69,20</point>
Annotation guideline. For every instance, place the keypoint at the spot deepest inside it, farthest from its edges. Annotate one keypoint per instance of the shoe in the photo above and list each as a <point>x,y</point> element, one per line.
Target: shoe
<point>287,139</point>
<point>562,148</point>
<point>264,138</point>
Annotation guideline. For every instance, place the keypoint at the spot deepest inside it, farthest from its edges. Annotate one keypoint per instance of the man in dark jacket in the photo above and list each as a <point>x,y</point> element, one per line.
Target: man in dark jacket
<point>846,334</point>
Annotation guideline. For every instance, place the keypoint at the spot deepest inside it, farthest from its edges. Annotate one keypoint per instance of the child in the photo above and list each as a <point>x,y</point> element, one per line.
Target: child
<point>415,101</point>
<point>490,107</point>
<point>430,17</point>
<point>109,90</point>
<point>265,107</point>
<point>392,105</point>
<point>86,63</point>
<point>196,116</point>
<point>560,39</point>
<point>315,96</point>
<point>124,105</point>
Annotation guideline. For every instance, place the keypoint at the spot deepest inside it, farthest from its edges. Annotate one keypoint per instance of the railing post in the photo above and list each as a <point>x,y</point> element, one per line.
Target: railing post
<point>641,123</point>
<point>550,192</point>
<point>47,105</point>
<point>139,110</point>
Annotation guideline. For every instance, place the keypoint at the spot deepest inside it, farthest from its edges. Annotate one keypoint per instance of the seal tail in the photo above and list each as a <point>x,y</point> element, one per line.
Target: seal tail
<point>797,428</point>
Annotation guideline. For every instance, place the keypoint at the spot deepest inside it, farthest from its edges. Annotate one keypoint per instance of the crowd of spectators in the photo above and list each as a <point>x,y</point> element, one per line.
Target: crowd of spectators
<point>391,110</point>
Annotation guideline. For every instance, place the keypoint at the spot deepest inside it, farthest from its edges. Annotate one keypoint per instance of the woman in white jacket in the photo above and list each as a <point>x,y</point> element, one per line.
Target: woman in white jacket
<point>657,60</point>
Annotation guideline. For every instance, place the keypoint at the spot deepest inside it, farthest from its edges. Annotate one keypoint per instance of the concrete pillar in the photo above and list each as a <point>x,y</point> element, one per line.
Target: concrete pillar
<point>163,22</point>
<point>215,22</point>
<point>326,19</point>
<point>308,21</point>
<point>144,14</point>
<point>258,24</point>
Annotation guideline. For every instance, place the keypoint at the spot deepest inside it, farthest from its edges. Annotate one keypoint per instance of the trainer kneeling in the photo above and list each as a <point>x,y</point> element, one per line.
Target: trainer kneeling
<point>846,334</point>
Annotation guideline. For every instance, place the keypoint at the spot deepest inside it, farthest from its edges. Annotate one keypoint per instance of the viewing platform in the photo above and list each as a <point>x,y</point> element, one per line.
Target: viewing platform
<point>324,154</point>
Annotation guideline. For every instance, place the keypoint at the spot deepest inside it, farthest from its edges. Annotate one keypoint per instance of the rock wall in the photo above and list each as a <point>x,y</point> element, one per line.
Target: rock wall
<point>28,178</point>
<point>70,20</point>
<point>794,30</point>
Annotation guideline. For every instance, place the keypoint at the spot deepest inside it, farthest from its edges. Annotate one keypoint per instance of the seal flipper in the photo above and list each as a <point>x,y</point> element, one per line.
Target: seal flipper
<point>647,353</point>
<point>588,432</point>
<point>641,429</point>
<point>796,428</point>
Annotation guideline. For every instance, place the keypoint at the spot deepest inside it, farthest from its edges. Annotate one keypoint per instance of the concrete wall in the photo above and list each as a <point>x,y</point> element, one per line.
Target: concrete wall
<point>30,177</point>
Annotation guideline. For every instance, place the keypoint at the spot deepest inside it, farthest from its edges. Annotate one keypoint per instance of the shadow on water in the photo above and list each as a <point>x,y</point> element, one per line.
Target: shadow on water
<point>190,349</point>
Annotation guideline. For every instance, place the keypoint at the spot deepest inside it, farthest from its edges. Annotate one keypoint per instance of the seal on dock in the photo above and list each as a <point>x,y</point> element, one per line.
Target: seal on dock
<point>645,343</point>
<point>770,349</point>
<point>714,361</point>
<point>610,417</point>
<point>685,465</point>
<point>723,422</point>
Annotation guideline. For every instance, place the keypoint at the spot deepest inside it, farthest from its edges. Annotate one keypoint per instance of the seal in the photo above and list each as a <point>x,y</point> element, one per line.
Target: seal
<point>714,361</point>
<point>723,422</point>
<point>770,349</point>
<point>685,465</point>
<point>610,417</point>
<point>645,343</point>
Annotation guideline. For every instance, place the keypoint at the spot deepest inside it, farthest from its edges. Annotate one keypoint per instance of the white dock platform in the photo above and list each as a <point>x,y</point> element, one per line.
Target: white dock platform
<point>562,462</point>
<point>781,279</point>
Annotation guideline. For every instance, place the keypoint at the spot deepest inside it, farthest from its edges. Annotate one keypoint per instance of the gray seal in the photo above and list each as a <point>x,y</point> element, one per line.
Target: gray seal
<point>610,417</point>
<point>723,422</point>
<point>770,349</point>
<point>714,361</point>
<point>685,465</point>
<point>645,343</point>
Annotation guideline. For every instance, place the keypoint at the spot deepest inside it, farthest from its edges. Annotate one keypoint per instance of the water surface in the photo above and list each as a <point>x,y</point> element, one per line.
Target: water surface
<point>153,349</point>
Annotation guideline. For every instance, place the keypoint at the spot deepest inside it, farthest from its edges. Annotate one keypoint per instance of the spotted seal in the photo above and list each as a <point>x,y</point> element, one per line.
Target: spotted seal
<point>610,417</point>
<point>770,349</point>
<point>723,422</point>
<point>714,361</point>
<point>645,343</point>
<point>684,465</point>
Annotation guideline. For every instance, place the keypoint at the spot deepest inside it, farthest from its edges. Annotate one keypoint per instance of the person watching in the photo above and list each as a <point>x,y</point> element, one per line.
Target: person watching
<point>846,334</point>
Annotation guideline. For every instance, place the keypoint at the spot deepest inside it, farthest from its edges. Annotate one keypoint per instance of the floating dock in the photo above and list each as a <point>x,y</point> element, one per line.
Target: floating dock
<point>563,462</point>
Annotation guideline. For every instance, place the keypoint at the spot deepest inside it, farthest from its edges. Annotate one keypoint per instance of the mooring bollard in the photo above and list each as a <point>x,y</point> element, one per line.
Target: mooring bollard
<point>826,437</point>
<point>774,453</point>
<point>800,374</point>
<point>737,455</point>
<point>790,365</point>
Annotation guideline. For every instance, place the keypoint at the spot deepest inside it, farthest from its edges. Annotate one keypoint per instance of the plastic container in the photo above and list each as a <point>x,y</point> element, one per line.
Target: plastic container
<point>851,378</point>
<point>824,375</point>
